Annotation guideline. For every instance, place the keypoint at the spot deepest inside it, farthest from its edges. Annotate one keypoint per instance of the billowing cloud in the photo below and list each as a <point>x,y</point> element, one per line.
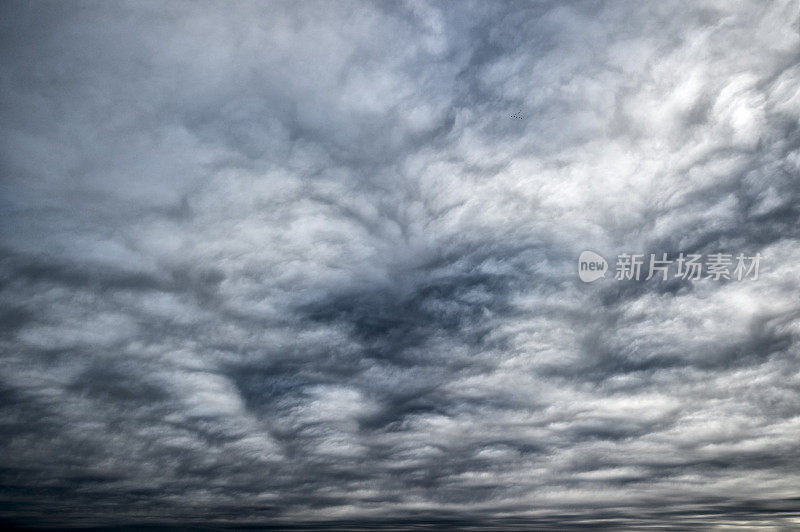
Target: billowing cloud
<point>314,264</point>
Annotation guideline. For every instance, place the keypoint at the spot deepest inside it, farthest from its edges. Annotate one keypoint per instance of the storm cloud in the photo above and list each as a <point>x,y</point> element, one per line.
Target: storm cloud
<point>313,264</point>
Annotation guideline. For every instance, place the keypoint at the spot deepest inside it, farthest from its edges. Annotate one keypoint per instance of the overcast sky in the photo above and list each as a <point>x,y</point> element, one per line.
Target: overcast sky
<point>316,262</point>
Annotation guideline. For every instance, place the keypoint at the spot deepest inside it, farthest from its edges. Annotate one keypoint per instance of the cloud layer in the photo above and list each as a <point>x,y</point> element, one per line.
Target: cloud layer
<point>297,263</point>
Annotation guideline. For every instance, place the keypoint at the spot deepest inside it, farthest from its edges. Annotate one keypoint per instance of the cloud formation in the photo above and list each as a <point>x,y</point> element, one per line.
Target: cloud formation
<point>296,264</point>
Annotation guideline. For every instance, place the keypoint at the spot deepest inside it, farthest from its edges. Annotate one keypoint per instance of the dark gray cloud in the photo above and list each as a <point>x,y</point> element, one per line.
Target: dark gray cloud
<point>295,265</point>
